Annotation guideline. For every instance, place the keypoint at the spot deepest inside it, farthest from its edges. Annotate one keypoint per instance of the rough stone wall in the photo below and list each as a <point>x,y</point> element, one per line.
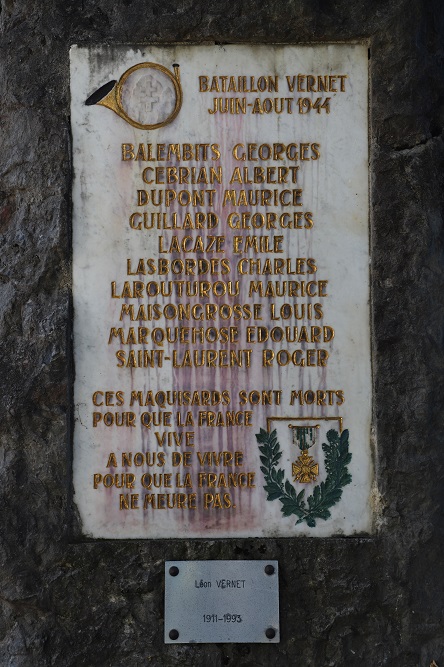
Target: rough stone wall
<point>359,601</point>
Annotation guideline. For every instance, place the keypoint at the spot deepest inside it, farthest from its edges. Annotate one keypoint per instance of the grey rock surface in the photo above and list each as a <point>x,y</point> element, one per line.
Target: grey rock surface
<point>366,601</point>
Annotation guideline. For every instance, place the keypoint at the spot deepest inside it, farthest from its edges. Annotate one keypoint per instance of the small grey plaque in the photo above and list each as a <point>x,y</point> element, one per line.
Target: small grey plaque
<point>214,601</point>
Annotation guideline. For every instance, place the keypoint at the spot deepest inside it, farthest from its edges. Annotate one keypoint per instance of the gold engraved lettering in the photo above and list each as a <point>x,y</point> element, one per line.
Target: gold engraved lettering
<point>307,357</point>
<point>170,501</point>
<point>226,480</point>
<point>211,358</point>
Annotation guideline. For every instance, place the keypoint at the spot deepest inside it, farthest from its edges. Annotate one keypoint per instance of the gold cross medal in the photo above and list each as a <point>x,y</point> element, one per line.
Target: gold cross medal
<point>304,469</point>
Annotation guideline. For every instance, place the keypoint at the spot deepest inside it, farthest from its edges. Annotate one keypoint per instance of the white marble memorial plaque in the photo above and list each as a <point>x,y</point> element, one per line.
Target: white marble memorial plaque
<point>221,291</point>
<point>221,601</point>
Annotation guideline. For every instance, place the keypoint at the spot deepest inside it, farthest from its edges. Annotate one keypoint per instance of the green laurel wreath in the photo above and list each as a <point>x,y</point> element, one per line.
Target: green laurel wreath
<point>325,495</point>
